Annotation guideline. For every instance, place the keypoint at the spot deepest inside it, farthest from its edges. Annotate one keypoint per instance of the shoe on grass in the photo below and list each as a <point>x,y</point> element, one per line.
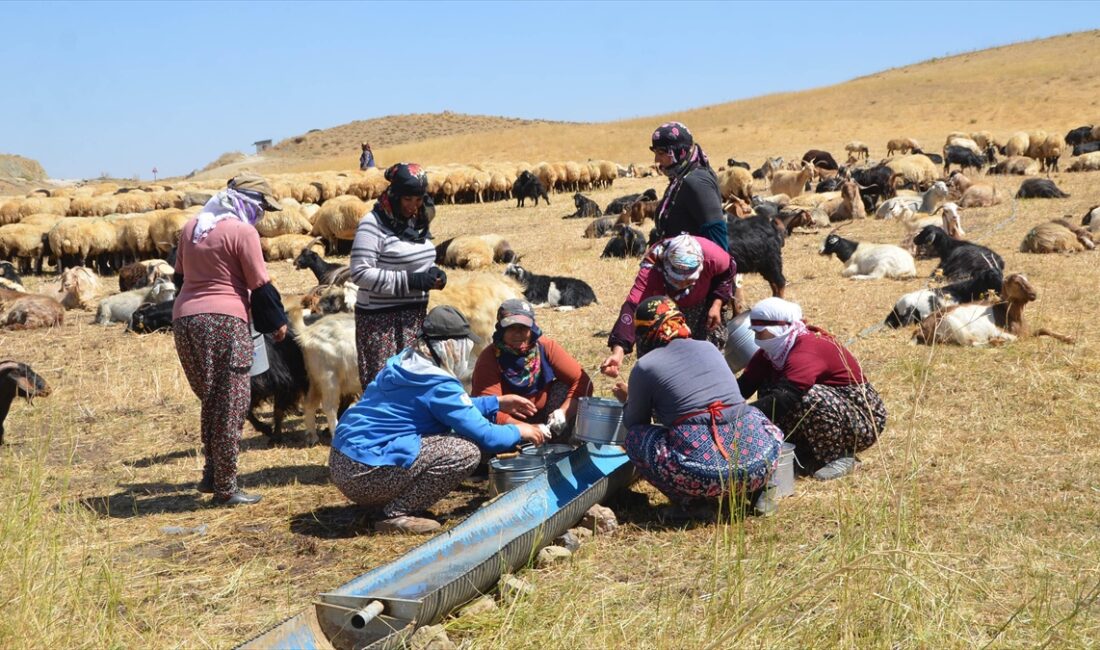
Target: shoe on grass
<point>238,498</point>
<point>838,468</point>
<point>408,525</point>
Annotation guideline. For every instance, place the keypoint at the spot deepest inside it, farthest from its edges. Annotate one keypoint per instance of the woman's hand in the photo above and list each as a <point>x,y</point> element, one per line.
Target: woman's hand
<point>279,334</point>
<point>714,316</point>
<point>531,433</point>
<point>613,362</point>
<point>619,390</point>
<point>517,406</point>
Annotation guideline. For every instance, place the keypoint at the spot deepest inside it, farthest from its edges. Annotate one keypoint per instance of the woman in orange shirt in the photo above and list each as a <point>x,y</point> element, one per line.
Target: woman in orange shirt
<point>523,361</point>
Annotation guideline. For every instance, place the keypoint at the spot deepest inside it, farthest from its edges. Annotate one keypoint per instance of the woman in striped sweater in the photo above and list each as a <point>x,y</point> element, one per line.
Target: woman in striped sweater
<point>393,263</point>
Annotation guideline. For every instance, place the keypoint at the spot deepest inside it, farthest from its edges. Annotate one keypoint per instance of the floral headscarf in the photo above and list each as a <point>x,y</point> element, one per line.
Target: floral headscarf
<point>406,179</point>
<point>657,321</point>
<point>241,205</point>
<point>783,319</point>
<point>680,260</point>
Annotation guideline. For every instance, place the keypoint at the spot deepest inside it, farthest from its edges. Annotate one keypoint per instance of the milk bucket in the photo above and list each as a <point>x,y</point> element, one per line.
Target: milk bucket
<point>507,473</point>
<point>550,453</point>
<point>740,342</point>
<point>600,421</point>
<point>783,479</point>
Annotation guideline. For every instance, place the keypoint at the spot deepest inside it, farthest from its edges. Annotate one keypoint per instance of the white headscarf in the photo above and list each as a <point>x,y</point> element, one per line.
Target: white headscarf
<point>453,356</point>
<point>784,320</point>
<point>227,204</point>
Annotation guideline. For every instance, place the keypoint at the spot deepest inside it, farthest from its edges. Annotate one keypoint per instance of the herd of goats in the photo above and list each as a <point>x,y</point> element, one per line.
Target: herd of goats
<point>100,229</point>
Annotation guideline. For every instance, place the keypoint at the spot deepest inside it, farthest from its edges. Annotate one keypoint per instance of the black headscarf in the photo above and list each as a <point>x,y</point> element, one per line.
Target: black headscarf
<point>406,179</point>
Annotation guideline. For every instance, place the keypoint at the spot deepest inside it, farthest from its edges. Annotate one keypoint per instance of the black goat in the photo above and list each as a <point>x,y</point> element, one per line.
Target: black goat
<point>325,272</point>
<point>829,185</point>
<point>152,317</point>
<point>915,306</point>
<point>934,157</point>
<point>756,245</point>
<point>737,163</point>
<point>1040,188</point>
<point>874,183</point>
<point>599,227</point>
<point>586,208</point>
<point>822,159</point>
<point>618,205</point>
<point>553,290</point>
<point>18,380</point>
<point>528,186</point>
<point>9,279</point>
<point>959,260</point>
<point>1080,135</point>
<point>626,242</point>
<point>961,156</point>
<point>1086,147</point>
<point>284,383</point>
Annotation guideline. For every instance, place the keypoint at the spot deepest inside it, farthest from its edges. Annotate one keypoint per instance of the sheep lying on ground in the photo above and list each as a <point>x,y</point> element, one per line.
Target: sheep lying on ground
<point>1017,165</point>
<point>121,306</point>
<point>24,311</point>
<point>915,306</point>
<point>1091,220</point>
<point>1089,162</point>
<point>1057,236</point>
<point>869,261</point>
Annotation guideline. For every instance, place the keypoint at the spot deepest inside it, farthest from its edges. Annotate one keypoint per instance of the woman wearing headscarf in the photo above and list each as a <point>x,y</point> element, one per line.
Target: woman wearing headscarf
<point>224,287</point>
<point>415,434</point>
<point>707,443</point>
<point>692,203</point>
<point>523,361</point>
<point>393,264</point>
<point>696,273</point>
<point>813,388</point>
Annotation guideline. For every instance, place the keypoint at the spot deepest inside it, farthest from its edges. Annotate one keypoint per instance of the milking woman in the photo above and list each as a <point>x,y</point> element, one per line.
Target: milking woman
<point>393,264</point>
<point>707,443</point>
<point>221,269</point>
<point>415,434</point>
<point>813,388</point>
<point>523,361</point>
<point>696,273</point>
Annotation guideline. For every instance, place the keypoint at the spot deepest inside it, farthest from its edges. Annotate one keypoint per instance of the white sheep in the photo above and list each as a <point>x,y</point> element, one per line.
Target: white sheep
<point>121,306</point>
<point>869,261</point>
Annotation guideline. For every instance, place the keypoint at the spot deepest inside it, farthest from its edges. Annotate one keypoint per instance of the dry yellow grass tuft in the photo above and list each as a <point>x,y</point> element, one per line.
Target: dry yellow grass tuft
<point>971,523</point>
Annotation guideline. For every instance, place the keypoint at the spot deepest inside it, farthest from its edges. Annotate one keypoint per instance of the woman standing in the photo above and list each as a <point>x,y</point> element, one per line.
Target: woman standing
<point>221,273</point>
<point>813,388</point>
<point>708,443</point>
<point>692,203</point>
<point>523,361</point>
<point>415,434</point>
<point>393,263</point>
<point>697,274</point>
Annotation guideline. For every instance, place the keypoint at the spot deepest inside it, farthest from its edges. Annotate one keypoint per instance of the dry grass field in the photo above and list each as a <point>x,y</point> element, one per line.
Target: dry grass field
<point>973,522</point>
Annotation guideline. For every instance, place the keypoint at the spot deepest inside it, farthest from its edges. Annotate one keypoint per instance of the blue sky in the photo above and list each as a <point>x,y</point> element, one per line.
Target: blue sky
<point>121,87</point>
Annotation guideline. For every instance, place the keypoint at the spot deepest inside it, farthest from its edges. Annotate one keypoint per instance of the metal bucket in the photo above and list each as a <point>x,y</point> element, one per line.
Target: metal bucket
<point>550,453</point>
<point>507,473</point>
<point>599,421</point>
<point>783,479</point>
<point>740,343</point>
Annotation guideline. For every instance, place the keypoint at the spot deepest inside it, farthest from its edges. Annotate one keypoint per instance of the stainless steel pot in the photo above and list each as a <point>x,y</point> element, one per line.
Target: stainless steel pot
<point>550,453</point>
<point>600,421</point>
<point>507,473</point>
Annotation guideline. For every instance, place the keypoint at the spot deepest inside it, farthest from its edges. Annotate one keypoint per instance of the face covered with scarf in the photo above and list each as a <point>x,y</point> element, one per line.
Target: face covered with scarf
<point>778,324</point>
<point>657,321</point>
<point>680,260</point>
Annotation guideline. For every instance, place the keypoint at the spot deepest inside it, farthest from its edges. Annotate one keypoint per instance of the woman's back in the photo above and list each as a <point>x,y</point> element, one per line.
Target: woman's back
<point>682,377</point>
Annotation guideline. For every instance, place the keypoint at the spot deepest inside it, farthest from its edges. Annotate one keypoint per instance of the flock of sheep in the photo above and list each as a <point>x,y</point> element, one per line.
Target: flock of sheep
<point>132,231</point>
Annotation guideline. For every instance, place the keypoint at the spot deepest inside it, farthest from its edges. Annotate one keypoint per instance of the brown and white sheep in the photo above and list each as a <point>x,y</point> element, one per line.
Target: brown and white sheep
<point>1057,236</point>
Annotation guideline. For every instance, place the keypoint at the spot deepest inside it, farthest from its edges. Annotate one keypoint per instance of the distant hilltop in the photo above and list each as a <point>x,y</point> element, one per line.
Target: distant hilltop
<point>19,168</point>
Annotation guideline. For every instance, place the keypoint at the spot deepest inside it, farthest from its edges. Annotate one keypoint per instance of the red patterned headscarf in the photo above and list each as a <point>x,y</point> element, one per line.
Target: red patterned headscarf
<point>656,322</point>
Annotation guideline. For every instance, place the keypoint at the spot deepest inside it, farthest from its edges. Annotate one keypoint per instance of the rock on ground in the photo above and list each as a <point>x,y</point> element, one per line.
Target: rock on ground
<point>600,519</point>
<point>552,555</point>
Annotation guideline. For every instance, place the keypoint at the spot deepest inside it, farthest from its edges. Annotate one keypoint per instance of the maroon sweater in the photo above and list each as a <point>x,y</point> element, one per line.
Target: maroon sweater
<point>815,358</point>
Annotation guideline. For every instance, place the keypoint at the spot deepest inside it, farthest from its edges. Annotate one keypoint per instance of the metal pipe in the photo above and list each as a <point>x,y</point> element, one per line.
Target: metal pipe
<point>360,619</point>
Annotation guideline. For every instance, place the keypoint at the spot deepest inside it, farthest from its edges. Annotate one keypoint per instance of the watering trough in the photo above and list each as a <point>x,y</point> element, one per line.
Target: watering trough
<point>383,607</point>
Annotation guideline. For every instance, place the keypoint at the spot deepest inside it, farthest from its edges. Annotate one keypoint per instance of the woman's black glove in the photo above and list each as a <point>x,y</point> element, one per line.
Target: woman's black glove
<point>426,280</point>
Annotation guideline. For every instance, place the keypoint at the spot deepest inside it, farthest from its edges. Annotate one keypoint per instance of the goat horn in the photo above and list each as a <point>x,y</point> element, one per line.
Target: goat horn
<point>313,241</point>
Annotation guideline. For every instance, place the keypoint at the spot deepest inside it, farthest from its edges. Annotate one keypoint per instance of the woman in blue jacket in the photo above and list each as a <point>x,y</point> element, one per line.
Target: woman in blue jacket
<point>415,434</point>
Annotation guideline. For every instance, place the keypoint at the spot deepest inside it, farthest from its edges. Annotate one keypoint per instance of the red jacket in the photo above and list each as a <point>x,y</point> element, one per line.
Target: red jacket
<point>815,358</point>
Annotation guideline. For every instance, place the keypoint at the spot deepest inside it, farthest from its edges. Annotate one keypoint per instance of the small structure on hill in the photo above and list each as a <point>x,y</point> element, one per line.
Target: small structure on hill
<point>262,145</point>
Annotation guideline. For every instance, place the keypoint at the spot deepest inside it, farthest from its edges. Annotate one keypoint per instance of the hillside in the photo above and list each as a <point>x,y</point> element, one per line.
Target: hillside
<point>18,173</point>
<point>1034,85</point>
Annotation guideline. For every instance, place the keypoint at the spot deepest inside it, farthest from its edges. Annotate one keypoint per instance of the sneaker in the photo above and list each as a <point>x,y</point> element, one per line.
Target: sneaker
<point>836,469</point>
<point>407,525</point>
<point>238,498</point>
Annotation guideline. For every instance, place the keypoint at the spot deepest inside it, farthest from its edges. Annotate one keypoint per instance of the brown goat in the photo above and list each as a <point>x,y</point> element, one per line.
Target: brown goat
<point>24,311</point>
